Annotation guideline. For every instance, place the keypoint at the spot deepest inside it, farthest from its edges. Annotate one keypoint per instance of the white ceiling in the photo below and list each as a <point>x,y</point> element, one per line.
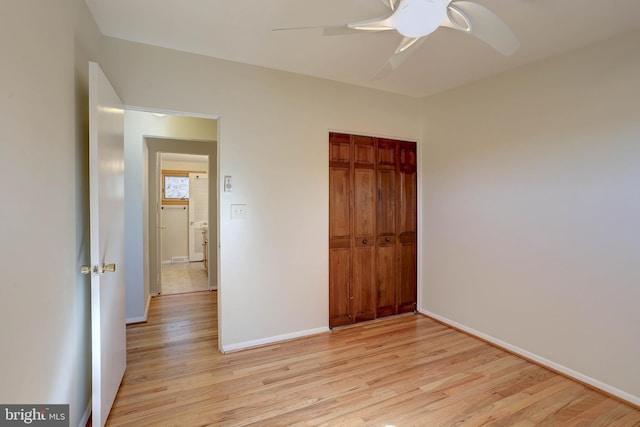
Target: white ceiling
<point>241,30</point>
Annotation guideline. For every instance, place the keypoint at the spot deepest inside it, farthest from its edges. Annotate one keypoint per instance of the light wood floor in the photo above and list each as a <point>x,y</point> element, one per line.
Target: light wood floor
<point>401,371</point>
<point>183,277</point>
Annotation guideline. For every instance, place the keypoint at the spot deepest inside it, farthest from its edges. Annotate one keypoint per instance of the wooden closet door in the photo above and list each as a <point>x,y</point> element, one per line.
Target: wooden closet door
<point>364,226</point>
<point>340,270</point>
<point>372,228</point>
<point>407,227</point>
<point>386,275</point>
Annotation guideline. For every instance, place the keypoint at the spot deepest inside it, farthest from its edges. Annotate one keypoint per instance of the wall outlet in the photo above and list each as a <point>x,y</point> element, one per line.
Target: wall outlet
<point>239,211</point>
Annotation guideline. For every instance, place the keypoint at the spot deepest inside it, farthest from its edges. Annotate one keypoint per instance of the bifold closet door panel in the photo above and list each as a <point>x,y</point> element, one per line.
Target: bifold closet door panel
<point>386,280</point>
<point>386,273</point>
<point>340,203</point>
<point>364,304</point>
<point>339,286</point>
<point>407,216</point>
<point>363,301</point>
<point>407,228</point>
<point>407,295</point>
<point>407,247</point>
<point>386,212</point>
<point>340,263</point>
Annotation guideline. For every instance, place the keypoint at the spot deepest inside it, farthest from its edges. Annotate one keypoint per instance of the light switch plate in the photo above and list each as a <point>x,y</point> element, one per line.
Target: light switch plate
<point>239,211</point>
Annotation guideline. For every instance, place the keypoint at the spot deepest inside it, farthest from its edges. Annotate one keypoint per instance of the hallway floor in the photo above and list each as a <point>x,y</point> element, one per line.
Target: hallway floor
<point>182,277</point>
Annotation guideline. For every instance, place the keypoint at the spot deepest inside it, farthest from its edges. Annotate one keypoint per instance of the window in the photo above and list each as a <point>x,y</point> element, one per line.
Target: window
<point>175,187</point>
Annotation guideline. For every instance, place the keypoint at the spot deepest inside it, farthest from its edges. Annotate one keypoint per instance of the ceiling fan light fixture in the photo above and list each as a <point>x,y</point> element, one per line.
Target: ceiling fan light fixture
<point>418,18</point>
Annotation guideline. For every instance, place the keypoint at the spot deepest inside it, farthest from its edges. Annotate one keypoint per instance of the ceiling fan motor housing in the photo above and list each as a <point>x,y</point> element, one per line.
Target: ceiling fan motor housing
<point>418,18</point>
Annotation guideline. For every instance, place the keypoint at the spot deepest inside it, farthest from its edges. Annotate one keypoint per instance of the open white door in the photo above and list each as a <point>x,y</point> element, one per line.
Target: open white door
<point>106,174</point>
<point>198,214</point>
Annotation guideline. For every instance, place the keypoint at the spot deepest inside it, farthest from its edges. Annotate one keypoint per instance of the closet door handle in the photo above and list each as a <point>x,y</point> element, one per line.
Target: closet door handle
<point>365,241</point>
<point>388,239</point>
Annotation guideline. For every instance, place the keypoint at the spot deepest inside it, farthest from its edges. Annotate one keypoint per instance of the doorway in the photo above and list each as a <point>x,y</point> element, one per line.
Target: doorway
<point>163,213</point>
<point>183,237</point>
<point>147,133</point>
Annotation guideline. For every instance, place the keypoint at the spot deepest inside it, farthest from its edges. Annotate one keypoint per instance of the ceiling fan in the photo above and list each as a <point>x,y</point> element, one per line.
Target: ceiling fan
<point>416,19</point>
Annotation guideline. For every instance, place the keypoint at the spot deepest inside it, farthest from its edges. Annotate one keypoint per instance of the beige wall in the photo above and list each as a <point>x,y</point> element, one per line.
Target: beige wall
<point>195,165</point>
<point>531,207</point>
<point>44,301</point>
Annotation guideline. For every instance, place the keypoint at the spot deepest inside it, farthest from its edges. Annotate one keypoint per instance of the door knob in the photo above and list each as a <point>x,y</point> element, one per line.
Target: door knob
<point>365,241</point>
<point>108,268</point>
<point>85,269</point>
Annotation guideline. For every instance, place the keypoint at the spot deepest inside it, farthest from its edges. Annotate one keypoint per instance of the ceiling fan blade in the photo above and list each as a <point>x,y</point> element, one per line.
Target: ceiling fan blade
<point>407,43</point>
<point>482,23</point>
<point>407,47</point>
<point>327,30</point>
<point>315,27</point>
<point>376,24</point>
<point>343,30</point>
<point>391,4</point>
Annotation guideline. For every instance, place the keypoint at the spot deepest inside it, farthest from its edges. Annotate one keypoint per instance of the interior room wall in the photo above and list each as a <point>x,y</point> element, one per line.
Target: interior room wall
<point>140,128</point>
<point>44,300</point>
<point>274,144</point>
<point>531,207</point>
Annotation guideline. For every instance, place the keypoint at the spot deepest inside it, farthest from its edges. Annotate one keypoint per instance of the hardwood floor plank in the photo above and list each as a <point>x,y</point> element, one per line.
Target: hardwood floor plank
<point>602,414</point>
<point>407,370</point>
<point>632,419</point>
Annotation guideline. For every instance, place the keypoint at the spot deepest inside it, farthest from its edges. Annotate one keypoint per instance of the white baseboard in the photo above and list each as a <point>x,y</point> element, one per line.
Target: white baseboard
<point>538,359</point>
<point>271,340</point>
<point>143,318</point>
<point>140,319</point>
<point>85,416</point>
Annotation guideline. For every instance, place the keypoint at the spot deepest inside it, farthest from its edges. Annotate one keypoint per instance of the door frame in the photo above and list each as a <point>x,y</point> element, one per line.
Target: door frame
<point>155,195</point>
<point>156,146</point>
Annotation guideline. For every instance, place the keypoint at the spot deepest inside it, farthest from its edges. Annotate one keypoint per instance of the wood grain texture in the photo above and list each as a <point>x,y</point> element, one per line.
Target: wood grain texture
<point>372,228</point>
<point>407,370</point>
